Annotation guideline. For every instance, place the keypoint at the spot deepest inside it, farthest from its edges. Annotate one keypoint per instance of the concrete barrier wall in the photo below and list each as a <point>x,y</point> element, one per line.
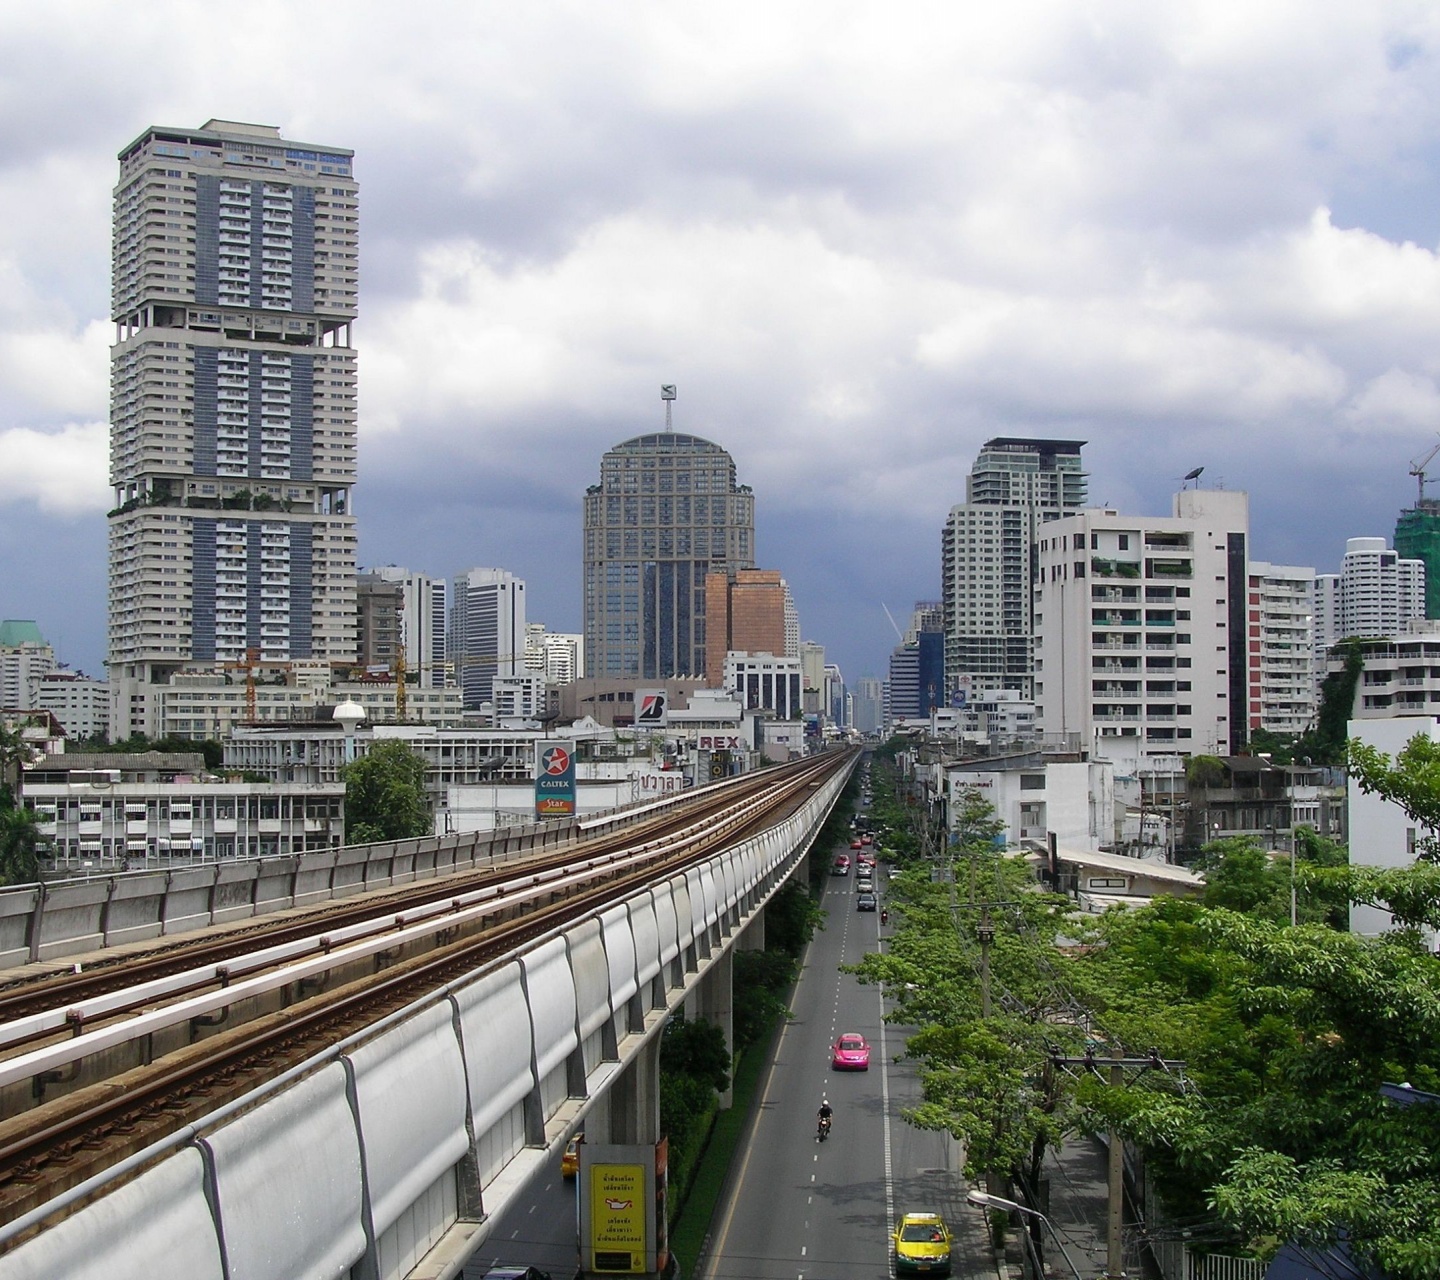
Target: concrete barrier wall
<point>64,918</point>
<point>369,1156</point>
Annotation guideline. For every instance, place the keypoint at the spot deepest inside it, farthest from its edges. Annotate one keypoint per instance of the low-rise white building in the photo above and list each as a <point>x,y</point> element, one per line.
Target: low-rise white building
<point>210,702</point>
<point>764,682</point>
<point>1036,796</point>
<point>117,808</point>
<point>1381,833</point>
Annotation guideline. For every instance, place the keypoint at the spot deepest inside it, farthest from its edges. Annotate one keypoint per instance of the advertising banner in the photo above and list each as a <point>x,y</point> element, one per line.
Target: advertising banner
<point>621,1190</point>
<point>554,780</point>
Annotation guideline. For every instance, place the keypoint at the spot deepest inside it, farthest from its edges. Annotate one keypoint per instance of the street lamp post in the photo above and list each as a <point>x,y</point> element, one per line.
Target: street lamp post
<point>986,1201</point>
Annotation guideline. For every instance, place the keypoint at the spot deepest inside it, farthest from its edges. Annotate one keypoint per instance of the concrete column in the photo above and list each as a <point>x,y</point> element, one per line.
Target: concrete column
<point>629,1111</point>
<point>752,937</point>
<point>714,1000</point>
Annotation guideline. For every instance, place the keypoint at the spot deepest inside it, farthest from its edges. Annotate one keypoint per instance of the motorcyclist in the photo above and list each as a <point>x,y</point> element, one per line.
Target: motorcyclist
<point>825,1114</point>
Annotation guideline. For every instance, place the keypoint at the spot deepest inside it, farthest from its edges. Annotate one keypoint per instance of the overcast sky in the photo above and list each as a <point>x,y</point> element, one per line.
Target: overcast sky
<point>862,239</point>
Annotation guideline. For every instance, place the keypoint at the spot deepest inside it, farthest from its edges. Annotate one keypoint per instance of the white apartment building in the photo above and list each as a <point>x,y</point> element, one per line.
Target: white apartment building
<point>558,656</point>
<point>1141,629</point>
<point>213,703</point>
<point>25,656</point>
<point>792,622</point>
<point>1281,647</point>
<point>1401,674</point>
<point>138,809</point>
<point>1074,799</point>
<point>1015,488</point>
<point>232,411</point>
<point>1376,592</point>
<point>80,704</point>
<point>763,681</point>
<point>1381,834</point>
<point>487,631</point>
<point>423,614</point>
<point>519,697</point>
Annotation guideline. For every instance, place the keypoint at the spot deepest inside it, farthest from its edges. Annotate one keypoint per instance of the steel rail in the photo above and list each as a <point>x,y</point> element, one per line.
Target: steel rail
<point>56,992</point>
<point>305,959</point>
<point>191,1083</point>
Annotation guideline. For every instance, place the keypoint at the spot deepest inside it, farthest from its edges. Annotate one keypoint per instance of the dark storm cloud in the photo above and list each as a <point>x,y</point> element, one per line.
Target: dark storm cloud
<point>862,241</point>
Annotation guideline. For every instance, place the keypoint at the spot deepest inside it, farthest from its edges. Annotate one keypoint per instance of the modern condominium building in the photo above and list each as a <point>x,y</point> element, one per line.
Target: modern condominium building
<point>1376,592</point>
<point>667,511</point>
<point>1142,629</point>
<point>1281,647</point>
<point>232,440</point>
<point>987,558</point>
<point>487,631</point>
<point>423,614</point>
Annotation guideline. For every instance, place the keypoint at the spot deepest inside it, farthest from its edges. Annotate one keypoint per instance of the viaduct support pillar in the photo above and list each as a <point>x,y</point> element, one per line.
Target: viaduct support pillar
<point>713,999</point>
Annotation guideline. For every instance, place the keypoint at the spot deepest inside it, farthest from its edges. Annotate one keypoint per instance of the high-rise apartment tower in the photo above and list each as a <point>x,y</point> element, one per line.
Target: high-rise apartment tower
<point>232,402</point>
<point>988,558</point>
<point>487,631</point>
<point>667,511</point>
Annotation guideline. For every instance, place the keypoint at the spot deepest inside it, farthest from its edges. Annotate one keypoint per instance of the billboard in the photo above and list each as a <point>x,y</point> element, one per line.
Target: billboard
<point>554,780</point>
<point>651,706</point>
<point>622,1208</point>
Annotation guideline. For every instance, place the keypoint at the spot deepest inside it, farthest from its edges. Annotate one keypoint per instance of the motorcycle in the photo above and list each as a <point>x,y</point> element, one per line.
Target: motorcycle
<point>823,1129</point>
<point>884,915</point>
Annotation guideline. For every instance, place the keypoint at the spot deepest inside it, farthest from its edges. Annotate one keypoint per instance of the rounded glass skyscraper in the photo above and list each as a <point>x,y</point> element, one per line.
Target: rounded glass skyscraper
<point>666,512</point>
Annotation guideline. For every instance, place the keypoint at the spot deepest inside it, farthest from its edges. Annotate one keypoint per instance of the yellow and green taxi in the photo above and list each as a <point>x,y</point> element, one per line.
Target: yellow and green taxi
<point>922,1244</point>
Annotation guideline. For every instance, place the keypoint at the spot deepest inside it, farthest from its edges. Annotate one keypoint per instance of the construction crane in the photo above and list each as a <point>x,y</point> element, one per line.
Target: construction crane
<point>252,660</point>
<point>1417,468</point>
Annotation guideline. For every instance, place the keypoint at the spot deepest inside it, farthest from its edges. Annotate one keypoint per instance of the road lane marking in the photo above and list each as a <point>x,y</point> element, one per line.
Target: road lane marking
<point>724,1236</point>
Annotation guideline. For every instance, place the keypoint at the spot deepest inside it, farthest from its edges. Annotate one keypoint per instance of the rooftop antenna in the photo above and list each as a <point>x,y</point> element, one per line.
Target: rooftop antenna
<point>667,394</point>
<point>1191,475</point>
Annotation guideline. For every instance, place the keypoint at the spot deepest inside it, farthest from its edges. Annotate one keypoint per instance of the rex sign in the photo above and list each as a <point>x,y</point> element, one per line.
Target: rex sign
<point>554,780</point>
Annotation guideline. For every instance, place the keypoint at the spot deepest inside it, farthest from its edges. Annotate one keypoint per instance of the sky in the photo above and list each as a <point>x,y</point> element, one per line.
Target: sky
<point>860,239</point>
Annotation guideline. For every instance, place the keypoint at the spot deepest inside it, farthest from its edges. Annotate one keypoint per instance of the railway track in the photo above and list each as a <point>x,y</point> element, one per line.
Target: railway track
<point>222,1034</point>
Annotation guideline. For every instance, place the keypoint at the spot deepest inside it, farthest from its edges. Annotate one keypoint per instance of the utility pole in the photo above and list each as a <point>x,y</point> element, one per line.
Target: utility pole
<point>1118,1065</point>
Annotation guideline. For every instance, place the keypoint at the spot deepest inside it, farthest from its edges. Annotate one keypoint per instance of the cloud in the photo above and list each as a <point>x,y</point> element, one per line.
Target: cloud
<point>861,240</point>
<point>62,472</point>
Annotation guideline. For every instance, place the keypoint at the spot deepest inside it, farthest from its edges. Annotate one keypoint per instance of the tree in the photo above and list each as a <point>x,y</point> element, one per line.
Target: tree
<point>385,795</point>
<point>696,1048</point>
<point>988,1081</point>
<point>1241,876</point>
<point>19,846</point>
<point>1287,1035</point>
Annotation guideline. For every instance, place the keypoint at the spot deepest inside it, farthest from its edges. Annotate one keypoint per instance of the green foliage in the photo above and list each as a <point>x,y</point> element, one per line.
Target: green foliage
<point>1337,705</point>
<point>1205,771</point>
<point>19,846</point>
<point>760,980</point>
<point>385,795</point>
<point>989,1083</point>
<point>792,915</point>
<point>696,1049</point>
<point>1241,876</point>
<point>1287,1034</point>
<point>973,821</point>
<point>687,1106</point>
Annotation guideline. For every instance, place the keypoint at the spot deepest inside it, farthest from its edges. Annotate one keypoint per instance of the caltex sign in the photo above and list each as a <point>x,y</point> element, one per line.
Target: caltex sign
<point>554,780</point>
